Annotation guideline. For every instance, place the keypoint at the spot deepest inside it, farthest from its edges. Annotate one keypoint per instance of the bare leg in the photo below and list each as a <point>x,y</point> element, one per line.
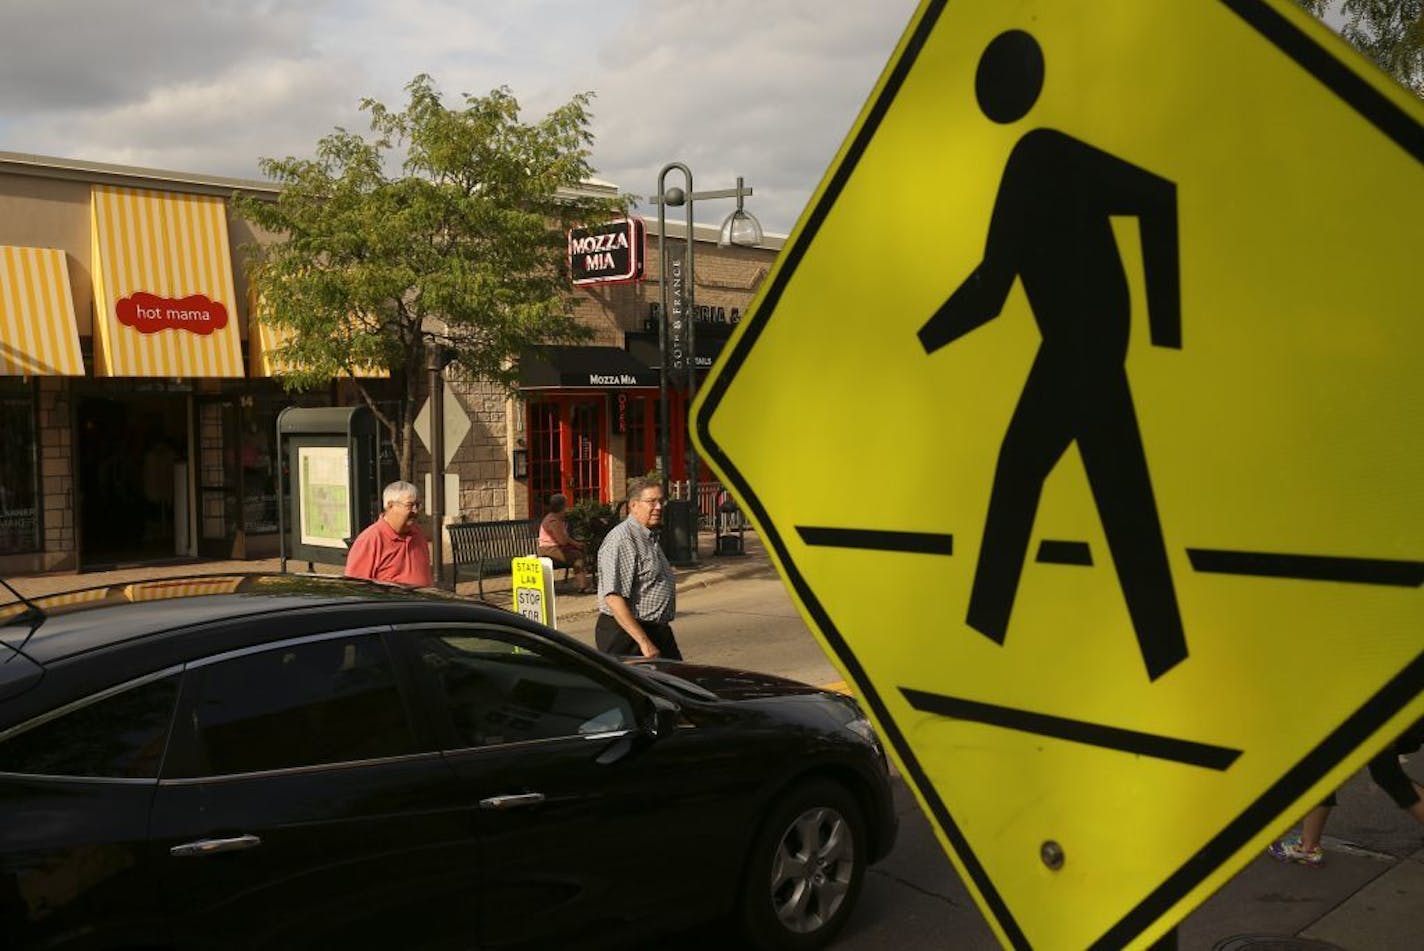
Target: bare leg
<point>1417,810</point>
<point>1313,826</point>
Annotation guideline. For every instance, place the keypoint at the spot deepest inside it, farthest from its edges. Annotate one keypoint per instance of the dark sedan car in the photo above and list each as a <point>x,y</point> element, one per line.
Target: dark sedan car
<point>286,761</point>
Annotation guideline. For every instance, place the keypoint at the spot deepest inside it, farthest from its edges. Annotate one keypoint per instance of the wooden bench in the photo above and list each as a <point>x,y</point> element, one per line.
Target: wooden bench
<point>489,547</point>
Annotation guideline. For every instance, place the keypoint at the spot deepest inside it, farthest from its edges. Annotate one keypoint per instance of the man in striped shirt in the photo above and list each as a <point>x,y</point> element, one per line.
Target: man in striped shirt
<point>636,596</point>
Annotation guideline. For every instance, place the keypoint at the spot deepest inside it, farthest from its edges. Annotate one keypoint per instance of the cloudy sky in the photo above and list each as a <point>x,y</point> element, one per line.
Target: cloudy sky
<point>765,89</point>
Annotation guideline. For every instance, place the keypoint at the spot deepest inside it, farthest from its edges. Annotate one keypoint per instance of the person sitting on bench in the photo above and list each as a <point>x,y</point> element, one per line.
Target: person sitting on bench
<point>557,544</point>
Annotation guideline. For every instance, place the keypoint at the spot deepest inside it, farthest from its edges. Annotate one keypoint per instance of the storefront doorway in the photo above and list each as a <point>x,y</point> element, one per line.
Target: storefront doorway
<point>133,500</point>
<point>566,450</point>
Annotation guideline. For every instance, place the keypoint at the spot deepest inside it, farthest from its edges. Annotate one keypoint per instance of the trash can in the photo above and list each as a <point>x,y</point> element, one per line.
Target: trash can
<point>679,531</point>
<point>729,521</point>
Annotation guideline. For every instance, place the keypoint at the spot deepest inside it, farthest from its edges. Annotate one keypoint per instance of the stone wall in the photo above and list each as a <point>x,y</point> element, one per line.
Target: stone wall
<point>57,481</point>
<point>482,461</point>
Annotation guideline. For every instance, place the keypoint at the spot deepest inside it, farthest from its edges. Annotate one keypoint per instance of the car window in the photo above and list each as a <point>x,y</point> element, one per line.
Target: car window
<point>306,704</point>
<point>500,688</point>
<point>117,736</point>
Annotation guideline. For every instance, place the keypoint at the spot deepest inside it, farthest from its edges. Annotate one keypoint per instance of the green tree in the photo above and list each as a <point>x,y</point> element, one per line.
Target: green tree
<point>464,247</point>
<point>1390,32</point>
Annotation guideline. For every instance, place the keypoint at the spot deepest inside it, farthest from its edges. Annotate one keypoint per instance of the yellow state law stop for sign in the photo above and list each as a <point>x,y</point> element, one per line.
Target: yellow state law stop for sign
<point>1082,415</point>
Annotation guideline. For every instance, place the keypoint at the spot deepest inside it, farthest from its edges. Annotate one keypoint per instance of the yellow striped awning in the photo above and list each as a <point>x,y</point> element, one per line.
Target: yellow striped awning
<point>38,336</point>
<point>163,288</point>
<point>264,342</point>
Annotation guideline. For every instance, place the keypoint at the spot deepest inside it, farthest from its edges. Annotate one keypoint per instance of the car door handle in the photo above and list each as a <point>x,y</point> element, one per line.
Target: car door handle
<point>520,801</point>
<point>214,846</point>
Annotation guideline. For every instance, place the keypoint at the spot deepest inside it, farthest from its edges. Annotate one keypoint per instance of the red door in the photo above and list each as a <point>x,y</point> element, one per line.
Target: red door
<point>566,449</point>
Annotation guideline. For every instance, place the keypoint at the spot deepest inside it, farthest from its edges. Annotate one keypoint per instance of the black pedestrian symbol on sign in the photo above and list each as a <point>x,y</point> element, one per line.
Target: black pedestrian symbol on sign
<point>1051,229</point>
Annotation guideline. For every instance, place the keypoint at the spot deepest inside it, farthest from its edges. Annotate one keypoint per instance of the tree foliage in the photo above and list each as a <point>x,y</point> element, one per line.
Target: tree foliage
<point>465,246</point>
<point>1390,32</point>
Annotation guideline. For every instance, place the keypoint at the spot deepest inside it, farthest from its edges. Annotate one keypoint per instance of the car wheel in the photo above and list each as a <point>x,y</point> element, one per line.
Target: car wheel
<point>805,868</point>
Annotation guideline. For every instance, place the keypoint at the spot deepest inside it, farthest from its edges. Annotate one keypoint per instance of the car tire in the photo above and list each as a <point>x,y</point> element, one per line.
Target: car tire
<point>805,869</point>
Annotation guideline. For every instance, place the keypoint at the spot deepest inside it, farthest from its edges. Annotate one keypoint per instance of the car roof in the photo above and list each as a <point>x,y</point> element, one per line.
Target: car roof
<point>53,627</point>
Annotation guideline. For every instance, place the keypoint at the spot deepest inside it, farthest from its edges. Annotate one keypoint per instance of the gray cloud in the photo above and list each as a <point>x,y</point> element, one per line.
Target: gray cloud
<point>87,54</point>
<point>766,89</point>
<point>763,90</point>
<point>221,125</point>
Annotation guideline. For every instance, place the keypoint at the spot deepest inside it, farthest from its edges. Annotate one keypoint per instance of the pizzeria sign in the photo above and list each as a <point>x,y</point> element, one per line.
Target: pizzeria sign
<point>610,253</point>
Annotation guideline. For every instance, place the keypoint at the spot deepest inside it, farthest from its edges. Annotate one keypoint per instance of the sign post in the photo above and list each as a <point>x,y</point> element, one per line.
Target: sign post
<point>1155,439</point>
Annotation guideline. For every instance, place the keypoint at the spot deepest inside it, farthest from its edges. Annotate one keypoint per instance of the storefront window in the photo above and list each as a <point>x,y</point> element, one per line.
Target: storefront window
<point>257,454</point>
<point>545,455</point>
<point>257,457</point>
<point>639,450</point>
<point>642,436</point>
<point>586,451</point>
<point>19,470</point>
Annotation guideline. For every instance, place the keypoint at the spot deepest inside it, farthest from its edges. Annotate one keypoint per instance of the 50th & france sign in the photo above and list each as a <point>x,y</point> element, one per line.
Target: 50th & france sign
<point>1131,293</point>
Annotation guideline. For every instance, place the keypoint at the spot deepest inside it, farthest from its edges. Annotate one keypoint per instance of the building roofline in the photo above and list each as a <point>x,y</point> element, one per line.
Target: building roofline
<point>104,173</point>
<point>708,233</point>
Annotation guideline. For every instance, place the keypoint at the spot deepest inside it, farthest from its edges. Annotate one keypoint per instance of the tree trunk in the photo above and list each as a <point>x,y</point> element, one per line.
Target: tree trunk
<point>409,409</point>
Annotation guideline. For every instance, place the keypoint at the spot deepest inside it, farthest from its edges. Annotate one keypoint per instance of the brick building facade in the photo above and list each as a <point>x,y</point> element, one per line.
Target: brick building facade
<point>118,448</point>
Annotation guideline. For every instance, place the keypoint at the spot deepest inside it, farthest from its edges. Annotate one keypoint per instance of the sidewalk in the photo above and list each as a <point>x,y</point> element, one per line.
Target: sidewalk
<point>1366,897</point>
<point>710,569</point>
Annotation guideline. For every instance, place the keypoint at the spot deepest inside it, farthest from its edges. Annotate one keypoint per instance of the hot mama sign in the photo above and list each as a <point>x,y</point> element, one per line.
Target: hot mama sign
<point>148,313</point>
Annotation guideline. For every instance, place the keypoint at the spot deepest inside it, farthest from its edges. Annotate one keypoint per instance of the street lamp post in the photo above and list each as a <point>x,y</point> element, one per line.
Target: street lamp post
<point>676,333</point>
<point>435,505</point>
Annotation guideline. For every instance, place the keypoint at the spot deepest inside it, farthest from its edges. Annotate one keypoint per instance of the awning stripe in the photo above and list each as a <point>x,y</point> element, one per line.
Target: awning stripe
<point>171,246</point>
<point>38,335</point>
<point>220,256</point>
<point>19,314</point>
<point>100,340</point>
<point>54,317</point>
<point>158,271</point>
<point>114,248</point>
<point>207,224</point>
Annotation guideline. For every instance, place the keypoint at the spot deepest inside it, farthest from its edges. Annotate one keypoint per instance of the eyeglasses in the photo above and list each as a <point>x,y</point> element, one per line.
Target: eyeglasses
<point>657,503</point>
<point>413,506</point>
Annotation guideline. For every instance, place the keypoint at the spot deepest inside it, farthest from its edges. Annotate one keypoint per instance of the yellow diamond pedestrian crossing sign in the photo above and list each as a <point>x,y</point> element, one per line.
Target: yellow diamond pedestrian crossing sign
<point>1082,415</point>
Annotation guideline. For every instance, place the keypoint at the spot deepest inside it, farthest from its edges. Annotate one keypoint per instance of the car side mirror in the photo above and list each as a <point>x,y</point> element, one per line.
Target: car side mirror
<point>663,717</point>
<point>660,721</point>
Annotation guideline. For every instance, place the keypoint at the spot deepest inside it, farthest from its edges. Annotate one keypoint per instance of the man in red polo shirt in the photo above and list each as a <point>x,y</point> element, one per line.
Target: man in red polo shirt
<point>393,548</point>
